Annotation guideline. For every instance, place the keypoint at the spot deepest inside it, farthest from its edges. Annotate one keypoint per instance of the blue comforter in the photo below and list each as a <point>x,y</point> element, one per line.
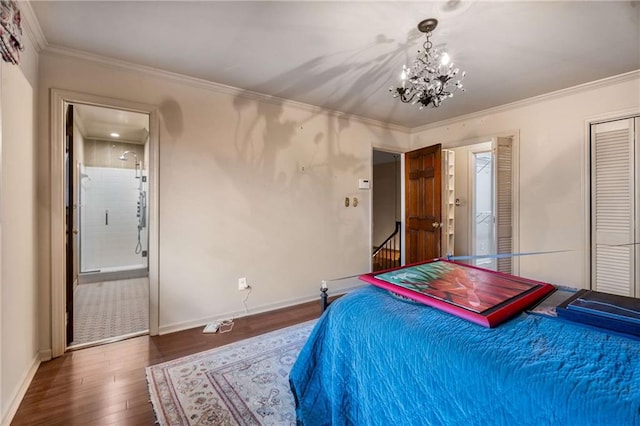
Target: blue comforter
<point>374,359</point>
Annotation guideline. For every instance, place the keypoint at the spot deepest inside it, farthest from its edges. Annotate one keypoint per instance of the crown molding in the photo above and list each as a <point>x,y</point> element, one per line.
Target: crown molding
<point>34,31</point>
<point>216,87</point>
<point>608,81</point>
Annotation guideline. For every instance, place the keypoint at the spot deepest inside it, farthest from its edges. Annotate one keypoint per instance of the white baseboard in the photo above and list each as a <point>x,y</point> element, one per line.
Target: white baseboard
<point>12,409</point>
<point>45,355</point>
<point>172,328</point>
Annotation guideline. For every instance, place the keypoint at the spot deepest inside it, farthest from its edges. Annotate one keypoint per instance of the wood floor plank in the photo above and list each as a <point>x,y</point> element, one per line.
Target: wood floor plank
<point>107,385</point>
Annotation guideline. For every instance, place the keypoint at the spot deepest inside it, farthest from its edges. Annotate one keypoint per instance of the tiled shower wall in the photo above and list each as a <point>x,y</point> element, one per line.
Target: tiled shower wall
<point>99,153</point>
<point>108,221</point>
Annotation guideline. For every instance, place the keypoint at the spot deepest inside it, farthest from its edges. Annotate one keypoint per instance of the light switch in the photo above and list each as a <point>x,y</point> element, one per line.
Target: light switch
<point>364,184</point>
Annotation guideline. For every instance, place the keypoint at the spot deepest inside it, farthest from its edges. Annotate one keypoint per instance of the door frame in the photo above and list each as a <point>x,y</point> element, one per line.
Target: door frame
<point>58,269</point>
<point>1,201</point>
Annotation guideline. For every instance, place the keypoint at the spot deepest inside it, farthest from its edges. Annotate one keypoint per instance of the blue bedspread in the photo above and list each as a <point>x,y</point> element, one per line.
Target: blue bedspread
<point>373,359</point>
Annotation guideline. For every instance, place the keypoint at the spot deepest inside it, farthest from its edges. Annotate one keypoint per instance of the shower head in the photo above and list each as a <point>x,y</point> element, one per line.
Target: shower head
<point>136,163</point>
<point>123,157</point>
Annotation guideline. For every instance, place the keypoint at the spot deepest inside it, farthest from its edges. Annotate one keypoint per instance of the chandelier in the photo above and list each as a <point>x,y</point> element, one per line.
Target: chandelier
<point>431,77</point>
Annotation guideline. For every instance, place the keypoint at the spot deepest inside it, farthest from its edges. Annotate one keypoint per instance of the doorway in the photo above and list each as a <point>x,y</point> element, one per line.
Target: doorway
<point>104,220</point>
<point>482,212</point>
<point>485,177</point>
<point>386,210</point>
<point>454,195</point>
<point>107,250</point>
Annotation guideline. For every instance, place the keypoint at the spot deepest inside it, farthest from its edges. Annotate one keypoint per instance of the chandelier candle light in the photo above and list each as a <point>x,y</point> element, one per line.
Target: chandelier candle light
<point>430,79</point>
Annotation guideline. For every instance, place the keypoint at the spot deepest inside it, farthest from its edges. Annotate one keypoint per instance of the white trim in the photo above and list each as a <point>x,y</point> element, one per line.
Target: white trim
<point>515,200</point>
<point>19,394</point>
<point>371,186</point>
<point>1,65</point>
<point>154,222</point>
<point>57,248</point>
<point>586,181</point>
<point>400,154</point>
<point>609,81</point>
<point>636,134</point>
<point>403,204</point>
<point>121,65</point>
<point>172,328</point>
<point>32,26</point>
<point>45,355</point>
<point>58,99</point>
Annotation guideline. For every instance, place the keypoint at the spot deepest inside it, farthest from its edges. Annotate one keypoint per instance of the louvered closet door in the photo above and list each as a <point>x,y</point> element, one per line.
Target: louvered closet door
<point>503,149</point>
<point>613,207</point>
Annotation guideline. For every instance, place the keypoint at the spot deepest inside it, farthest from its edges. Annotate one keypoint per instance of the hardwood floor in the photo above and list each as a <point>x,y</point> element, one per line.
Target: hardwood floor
<point>106,385</point>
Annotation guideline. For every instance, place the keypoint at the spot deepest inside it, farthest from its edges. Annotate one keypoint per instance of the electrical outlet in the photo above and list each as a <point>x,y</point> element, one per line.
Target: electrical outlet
<point>242,283</point>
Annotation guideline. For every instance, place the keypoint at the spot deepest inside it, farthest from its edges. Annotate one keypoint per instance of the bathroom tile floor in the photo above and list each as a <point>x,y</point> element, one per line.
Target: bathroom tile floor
<point>106,310</point>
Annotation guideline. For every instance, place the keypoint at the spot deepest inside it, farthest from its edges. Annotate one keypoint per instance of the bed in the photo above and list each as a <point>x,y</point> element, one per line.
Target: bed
<point>376,359</point>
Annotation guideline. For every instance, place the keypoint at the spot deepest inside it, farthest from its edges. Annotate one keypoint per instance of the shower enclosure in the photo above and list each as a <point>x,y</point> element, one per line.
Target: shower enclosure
<point>113,221</point>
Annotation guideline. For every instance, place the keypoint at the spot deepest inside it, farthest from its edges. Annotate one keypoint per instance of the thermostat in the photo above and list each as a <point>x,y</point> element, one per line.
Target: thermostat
<point>364,184</point>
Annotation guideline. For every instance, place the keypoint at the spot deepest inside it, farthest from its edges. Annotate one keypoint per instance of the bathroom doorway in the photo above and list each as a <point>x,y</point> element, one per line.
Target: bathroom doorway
<point>106,181</point>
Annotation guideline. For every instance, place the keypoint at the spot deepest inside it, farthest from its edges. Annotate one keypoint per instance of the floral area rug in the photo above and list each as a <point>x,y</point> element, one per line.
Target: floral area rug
<point>244,383</point>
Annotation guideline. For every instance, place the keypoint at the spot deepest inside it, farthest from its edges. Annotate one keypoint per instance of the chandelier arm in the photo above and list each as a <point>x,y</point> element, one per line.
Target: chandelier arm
<point>408,99</point>
<point>418,59</point>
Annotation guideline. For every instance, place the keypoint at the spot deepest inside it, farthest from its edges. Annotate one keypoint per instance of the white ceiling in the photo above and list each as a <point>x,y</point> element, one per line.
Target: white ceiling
<point>99,123</point>
<point>344,56</point>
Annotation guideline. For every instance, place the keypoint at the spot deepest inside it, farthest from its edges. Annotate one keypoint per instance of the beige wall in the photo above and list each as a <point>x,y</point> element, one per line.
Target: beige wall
<point>18,207</point>
<point>247,189</point>
<point>386,200</point>
<point>553,182</point>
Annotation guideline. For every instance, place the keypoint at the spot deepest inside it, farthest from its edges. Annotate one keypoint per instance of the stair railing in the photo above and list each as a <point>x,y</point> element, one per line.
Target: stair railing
<point>388,254</point>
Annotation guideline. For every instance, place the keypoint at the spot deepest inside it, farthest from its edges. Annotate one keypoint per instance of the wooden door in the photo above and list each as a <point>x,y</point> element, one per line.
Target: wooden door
<point>423,204</point>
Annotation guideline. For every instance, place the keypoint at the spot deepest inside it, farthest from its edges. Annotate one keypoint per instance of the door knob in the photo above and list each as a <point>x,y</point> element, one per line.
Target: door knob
<point>436,225</point>
<point>75,232</point>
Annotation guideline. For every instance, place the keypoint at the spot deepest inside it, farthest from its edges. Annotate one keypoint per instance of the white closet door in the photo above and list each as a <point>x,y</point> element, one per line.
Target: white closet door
<point>503,149</point>
<point>613,207</point>
<point>636,144</point>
